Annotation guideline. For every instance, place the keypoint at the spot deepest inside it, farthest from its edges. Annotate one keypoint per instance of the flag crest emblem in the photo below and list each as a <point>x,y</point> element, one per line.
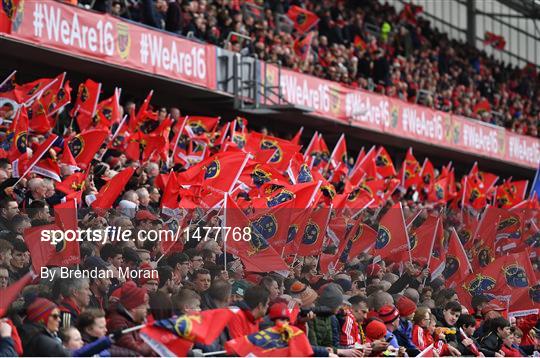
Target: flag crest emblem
<point>311,233</point>
<point>515,276</point>
<point>480,284</point>
<point>383,237</point>
<point>212,170</point>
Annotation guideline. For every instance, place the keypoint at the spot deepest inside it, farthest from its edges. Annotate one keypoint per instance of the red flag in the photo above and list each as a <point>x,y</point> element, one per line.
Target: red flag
<point>362,237</point>
<point>277,341</point>
<point>108,112</point>
<point>457,265</point>
<point>18,132</point>
<point>38,119</point>
<point>169,199</point>
<point>23,165</point>
<point>85,145</point>
<point>313,234</point>
<point>410,171</point>
<point>302,46</point>
<point>359,42</point>
<point>392,235</point>
<point>40,250</point>
<point>9,12</point>
<point>25,93</point>
<point>385,166</point>
<point>47,167</point>
<point>86,103</point>
<point>222,170</point>
<point>198,125</point>
<point>427,175</point>
<point>303,19</point>
<point>339,154</point>
<point>73,186</point>
<point>422,240</point>
<point>248,243</point>
<point>439,191</point>
<point>297,136</point>
<point>11,293</point>
<point>173,337</point>
<point>111,190</point>
<point>66,252</point>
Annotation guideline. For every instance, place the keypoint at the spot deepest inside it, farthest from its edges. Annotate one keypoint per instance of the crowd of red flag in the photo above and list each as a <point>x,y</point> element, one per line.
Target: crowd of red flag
<point>478,232</point>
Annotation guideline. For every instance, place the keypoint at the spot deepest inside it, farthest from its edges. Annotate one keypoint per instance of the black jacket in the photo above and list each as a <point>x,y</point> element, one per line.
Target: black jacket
<point>39,342</point>
<point>7,347</point>
<point>490,344</point>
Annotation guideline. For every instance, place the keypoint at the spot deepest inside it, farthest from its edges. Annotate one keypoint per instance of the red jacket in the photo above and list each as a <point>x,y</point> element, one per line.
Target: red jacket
<point>421,337</point>
<point>510,352</point>
<point>120,319</point>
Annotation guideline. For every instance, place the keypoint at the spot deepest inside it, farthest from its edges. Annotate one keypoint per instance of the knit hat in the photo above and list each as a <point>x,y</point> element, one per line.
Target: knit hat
<point>40,310</point>
<point>373,270</point>
<point>148,271</point>
<point>388,313</point>
<point>279,311</point>
<point>132,296</point>
<point>405,306</point>
<point>346,285</point>
<point>239,287</point>
<point>331,296</point>
<point>375,330</point>
<point>305,293</point>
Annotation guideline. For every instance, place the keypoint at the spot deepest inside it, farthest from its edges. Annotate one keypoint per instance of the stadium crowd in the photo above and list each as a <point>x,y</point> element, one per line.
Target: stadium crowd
<point>319,294</point>
<point>363,44</point>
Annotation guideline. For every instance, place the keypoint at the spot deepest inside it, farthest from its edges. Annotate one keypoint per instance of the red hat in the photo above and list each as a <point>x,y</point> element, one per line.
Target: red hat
<point>375,330</point>
<point>153,273</point>
<point>132,296</point>
<point>388,314</point>
<point>492,307</point>
<point>145,215</point>
<point>40,310</point>
<point>279,311</point>
<point>405,306</point>
<point>373,270</point>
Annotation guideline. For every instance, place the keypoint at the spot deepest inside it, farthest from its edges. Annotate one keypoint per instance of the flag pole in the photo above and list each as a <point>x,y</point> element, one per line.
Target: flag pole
<point>224,224</point>
<point>207,354</point>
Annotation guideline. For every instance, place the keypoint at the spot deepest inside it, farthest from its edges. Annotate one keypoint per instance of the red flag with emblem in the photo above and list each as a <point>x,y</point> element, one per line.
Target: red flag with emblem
<point>422,240</point>
<point>302,46</point>
<point>427,175</point>
<point>108,111</point>
<point>246,241</point>
<point>457,265</point>
<point>277,341</point>
<point>198,125</point>
<point>25,93</point>
<point>38,119</point>
<point>314,232</point>
<point>392,237</point>
<point>9,11</point>
<point>384,164</point>
<point>108,193</point>
<point>339,154</point>
<point>85,145</point>
<point>86,103</point>
<point>19,131</point>
<point>410,170</point>
<point>73,186</point>
<point>303,19</point>
<point>24,164</point>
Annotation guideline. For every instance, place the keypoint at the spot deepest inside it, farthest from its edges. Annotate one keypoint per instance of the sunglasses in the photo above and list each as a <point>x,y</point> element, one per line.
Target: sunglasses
<point>55,316</point>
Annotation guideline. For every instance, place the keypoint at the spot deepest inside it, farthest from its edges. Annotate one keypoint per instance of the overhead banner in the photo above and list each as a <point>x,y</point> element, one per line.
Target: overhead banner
<point>402,119</point>
<point>115,41</point>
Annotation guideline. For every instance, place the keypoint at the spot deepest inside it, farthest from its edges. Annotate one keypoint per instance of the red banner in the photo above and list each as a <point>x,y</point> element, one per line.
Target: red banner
<point>399,118</point>
<point>112,40</point>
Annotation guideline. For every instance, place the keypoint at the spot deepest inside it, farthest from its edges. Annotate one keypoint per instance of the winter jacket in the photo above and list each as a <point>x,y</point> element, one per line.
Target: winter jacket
<point>7,347</point>
<point>112,351</point>
<point>324,331</point>
<point>39,342</point>
<point>421,337</point>
<point>69,312</point>
<point>121,319</point>
<point>490,344</point>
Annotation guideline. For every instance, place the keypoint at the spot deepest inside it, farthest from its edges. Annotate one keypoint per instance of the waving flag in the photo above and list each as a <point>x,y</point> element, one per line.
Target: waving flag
<point>277,341</point>
<point>85,145</point>
<point>23,164</point>
<point>173,337</point>
<point>422,240</point>
<point>457,265</point>
<point>392,237</point>
<point>73,186</point>
<point>108,111</point>
<point>314,232</point>
<point>384,164</point>
<point>86,103</point>
<point>18,134</point>
<point>410,171</point>
<point>198,125</point>
<point>108,193</point>
<point>249,240</point>
<point>303,19</point>
<point>302,46</point>
<point>339,154</point>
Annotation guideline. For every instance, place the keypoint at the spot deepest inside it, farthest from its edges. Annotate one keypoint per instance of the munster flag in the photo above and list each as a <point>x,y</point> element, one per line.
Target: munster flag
<point>86,103</point>
<point>85,145</point>
<point>23,163</point>
<point>312,236</point>
<point>361,238</point>
<point>108,193</point>
<point>339,154</point>
<point>73,186</point>
<point>9,12</point>
<point>246,240</point>
<point>392,235</point>
<point>302,46</point>
<point>10,293</point>
<point>66,252</point>
<point>277,341</point>
<point>38,119</point>
<point>197,125</point>
<point>18,134</point>
<point>385,166</point>
<point>427,175</point>
<point>108,112</point>
<point>410,170</point>
<point>422,240</point>
<point>173,337</point>
<point>303,19</point>
<point>27,92</point>
<point>457,265</point>
<point>222,170</point>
